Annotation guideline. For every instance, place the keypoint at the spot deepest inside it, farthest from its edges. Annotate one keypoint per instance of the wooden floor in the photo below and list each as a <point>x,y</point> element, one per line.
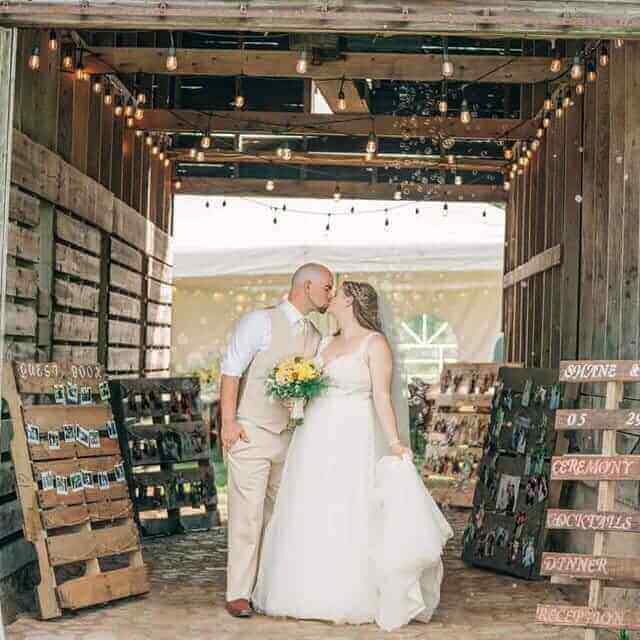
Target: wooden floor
<point>187,597</point>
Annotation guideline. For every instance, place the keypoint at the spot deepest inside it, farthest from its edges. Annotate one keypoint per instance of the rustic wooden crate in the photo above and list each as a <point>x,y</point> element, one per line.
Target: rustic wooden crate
<point>166,447</point>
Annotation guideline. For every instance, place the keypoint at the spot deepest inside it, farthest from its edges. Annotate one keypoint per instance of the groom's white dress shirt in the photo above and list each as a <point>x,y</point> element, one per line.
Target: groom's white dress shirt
<point>252,335</point>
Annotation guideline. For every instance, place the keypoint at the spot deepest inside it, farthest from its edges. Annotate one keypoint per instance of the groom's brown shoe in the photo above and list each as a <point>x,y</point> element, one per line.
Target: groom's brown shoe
<point>239,608</point>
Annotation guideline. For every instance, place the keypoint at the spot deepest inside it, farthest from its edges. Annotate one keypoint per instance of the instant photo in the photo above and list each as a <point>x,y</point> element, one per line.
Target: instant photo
<point>112,430</point>
<point>59,394</point>
<point>69,433</point>
<point>103,480</point>
<point>119,471</point>
<point>87,479</point>
<point>48,481</point>
<point>76,482</point>
<point>85,395</point>
<point>54,439</point>
<point>94,439</point>
<point>72,393</point>
<point>33,434</point>
<point>105,393</point>
<point>62,488</point>
<point>82,436</point>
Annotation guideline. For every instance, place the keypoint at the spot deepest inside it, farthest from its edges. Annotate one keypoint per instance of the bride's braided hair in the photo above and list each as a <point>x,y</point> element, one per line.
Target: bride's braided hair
<point>365,304</point>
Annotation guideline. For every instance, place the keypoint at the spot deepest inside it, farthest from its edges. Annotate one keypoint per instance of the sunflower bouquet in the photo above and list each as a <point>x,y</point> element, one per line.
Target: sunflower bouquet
<point>294,381</point>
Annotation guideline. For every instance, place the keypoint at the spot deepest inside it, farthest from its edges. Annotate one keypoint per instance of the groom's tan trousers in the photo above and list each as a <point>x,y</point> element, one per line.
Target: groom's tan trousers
<point>254,470</point>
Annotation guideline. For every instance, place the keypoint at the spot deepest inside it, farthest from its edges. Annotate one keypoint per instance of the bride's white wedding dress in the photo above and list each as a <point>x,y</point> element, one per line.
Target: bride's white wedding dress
<point>340,545</point>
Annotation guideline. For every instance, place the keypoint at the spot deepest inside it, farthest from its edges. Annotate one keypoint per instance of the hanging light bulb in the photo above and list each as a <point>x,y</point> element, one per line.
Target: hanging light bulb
<point>506,185</point>
<point>447,66</point>
<point>508,153</point>
<point>592,73</point>
<point>369,156</point>
<point>540,131</point>
<point>161,155</point>
<point>167,163</point>
<point>576,68</point>
<point>34,59</point>
<point>342,102</point>
<point>97,86</point>
<point>138,114</point>
<point>372,143</point>
<point>205,141</point>
<point>193,152</point>
<point>53,41</point>
<point>604,56</point>
<point>548,102</point>
<point>172,59</point>
<point>155,150</point>
<point>67,62</point>
<point>546,121</point>
<point>521,160</point>
<point>129,109</point>
<point>328,225</point>
<point>520,171</point>
<point>514,166</point>
<point>149,140</point>
<point>526,161</point>
<point>445,209</point>
<point>580,88</point>
<point>512,174</point>
<point>457,180</point>
<point>451,159</point>
<point>618,42</point>
<point>239,101</point>
<point>177,184</point>
<point>535,144</point>
<point>287,154</point>
<point>556,62</point>
<point>302,66</point>
<point>529,153</point>
<point>108,97</point>
<point>336,194</point>
<point>200,156</point>
<point>559,109</point>
<point>443,105</point>
<point>270,186</point>
<point>141,98</point>
<point>465,114</point>
<point>566,99</point>
<point>80,72</point>
<point>119,109</point>
<point>397,194</point>
<point>139,133</point>
<point>131,122</point>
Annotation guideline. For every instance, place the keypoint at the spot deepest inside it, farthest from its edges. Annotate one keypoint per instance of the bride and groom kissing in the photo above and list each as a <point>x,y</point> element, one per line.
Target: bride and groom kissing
<point>331,521</point>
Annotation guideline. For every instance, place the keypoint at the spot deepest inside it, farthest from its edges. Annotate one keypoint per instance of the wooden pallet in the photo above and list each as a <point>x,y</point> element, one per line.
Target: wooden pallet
<point>166,446</point>
<point>607,469</point>
<point>77,510</point>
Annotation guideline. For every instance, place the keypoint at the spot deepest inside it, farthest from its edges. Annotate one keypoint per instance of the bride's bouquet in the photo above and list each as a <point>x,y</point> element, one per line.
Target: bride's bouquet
<point>294,381</point>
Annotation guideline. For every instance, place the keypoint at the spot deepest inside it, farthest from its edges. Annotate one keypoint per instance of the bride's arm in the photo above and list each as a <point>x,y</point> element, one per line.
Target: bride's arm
<point>381,367</point>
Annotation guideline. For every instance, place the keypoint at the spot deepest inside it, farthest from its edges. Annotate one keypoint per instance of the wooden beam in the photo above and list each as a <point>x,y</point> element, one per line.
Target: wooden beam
<point>324,189</point>
<point>248,122</point>
<point>538,264</point>
<point>347,160</point>
<point>282,64</point>
<point>330,90</point>
<point>572,18</point>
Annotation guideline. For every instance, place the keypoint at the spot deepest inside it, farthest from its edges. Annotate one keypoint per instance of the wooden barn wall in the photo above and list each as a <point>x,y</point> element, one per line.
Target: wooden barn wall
<point>581,195</point>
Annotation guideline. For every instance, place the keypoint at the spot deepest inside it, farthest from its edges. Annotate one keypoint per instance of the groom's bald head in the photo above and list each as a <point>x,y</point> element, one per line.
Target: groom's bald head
<point>311,287</point>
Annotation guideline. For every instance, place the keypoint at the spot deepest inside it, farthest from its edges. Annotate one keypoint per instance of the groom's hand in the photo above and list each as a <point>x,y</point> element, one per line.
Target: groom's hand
<point>232,431</point>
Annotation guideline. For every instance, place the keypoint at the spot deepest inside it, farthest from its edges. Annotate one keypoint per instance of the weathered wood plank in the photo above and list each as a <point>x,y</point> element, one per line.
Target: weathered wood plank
<point>129,225</point>
<point>10,518</point>
<point>22,282</point>
<point>598,420</point>
<point>585,566</point>
<point>39,377</point>
<point>121,359</point>
<point>24,207</point>
<point>7,479</point>
<point>157,359</point>
<point>158,313</point>
<point>18,350</point>
<point>593,520</point>
<point>159,244</point>
<point>78,296</point>
<point>126,255</point>
<point>20,320</point>
<point>73,328</point>
<point>104,587</point>
<point>77,263</point>
<point>158,336</point>
<point>23,243</point>
<point>590,617</point>
<point>124,332</point>
<point>121,305</point>
<point>85,545</point>
<point>158,292</point>
<point>14,556</point>
<point>599,371</point>
<point>160,271</point>
<point>77,355</point>
<point>77,233</point>
<point>591,467</point>
<point>125,279</point>
<point>67,516</point>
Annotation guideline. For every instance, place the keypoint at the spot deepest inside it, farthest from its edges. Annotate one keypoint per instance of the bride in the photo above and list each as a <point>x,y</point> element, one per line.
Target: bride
<point>341,544</point>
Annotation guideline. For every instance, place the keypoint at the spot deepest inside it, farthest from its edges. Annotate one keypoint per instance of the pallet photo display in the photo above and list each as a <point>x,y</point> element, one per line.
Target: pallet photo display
<point>505,531</point>
<point>166,446</point>
<point>71,485</point>
<point>607,469</point>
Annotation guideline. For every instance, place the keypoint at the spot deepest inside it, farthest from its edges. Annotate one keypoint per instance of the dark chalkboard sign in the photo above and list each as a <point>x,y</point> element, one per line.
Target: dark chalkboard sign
<point>505,531</point>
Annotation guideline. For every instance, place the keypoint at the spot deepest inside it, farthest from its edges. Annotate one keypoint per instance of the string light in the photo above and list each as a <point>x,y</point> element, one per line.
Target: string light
<point>161,155</point>
<point>97,86</point>
<point>53,41</point>
<point>141,98</point>
<point>618,43</point>
<point>270,185</point>
<point>200,156</point>
<point>372,143</point>
<point>336,193</point>
<point>287,154</point>
<point>508,153</point>
<point>592,73</point>
<point>576,68</point>
<point>80,73</point>
<point>129,109</point>
<point>417,211</point>
<point>535,144</point>
<point>559,109</point>
<point>451,159</point>
<point>302,66</point>
<point>177,184</point>
<point>205,141</point>
<point>139,133</point>
<point>138,114</point>
<point>131,122</point>
<point>604,56</point>
<point>239,100</point>
<point>342,103</point>
<point>172,55</point>
<point>447,65</point>
<point>566,100</point>
<point>328,226</point>
<point>67,62</point>
<point>548,102</point>
<point>387,222</point>
<point>580,88</point>
<point>193,152</point>
<point>119,109</point>
<point>465,114</point>
<point>443,105</point>
<point>397,195</point>
<point>149,140</point>
<point>540,131</point>
<point>34,59</point>
<point>108,97</point>
<point>556,62</point>
<point>167,163</point>
<point>155,150</point>
<point>546,121</point>
<point>458,180</point>
<point>445,210</point>
<point>506,185</point>
<point>484,213</point>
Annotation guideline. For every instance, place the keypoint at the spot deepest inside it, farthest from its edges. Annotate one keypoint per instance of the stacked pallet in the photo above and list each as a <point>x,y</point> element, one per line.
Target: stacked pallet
<point>158,329</point>
<point>166,447</point>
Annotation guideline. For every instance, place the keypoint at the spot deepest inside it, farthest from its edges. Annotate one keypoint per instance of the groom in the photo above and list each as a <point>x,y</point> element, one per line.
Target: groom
<point>254,428</point>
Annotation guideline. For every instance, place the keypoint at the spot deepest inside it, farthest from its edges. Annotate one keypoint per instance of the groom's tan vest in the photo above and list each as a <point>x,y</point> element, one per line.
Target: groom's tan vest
<point>254,405</point>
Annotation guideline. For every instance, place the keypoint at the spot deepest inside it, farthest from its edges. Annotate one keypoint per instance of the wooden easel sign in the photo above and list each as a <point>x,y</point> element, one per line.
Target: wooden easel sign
<point>71,477</point>
<point>607,469</point>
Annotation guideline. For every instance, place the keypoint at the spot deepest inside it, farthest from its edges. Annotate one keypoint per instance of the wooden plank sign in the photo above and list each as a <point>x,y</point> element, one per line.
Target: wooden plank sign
<point>584,566</point>
<point>593,520</point>
<point>600,371</point>
<point>591,617</point>
<point>598,420</point>
<point>40,377</point>
<point>589,467</point>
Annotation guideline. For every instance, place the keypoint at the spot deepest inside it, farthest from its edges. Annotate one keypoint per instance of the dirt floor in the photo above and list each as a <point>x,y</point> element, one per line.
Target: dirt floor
<point>187,598</point>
